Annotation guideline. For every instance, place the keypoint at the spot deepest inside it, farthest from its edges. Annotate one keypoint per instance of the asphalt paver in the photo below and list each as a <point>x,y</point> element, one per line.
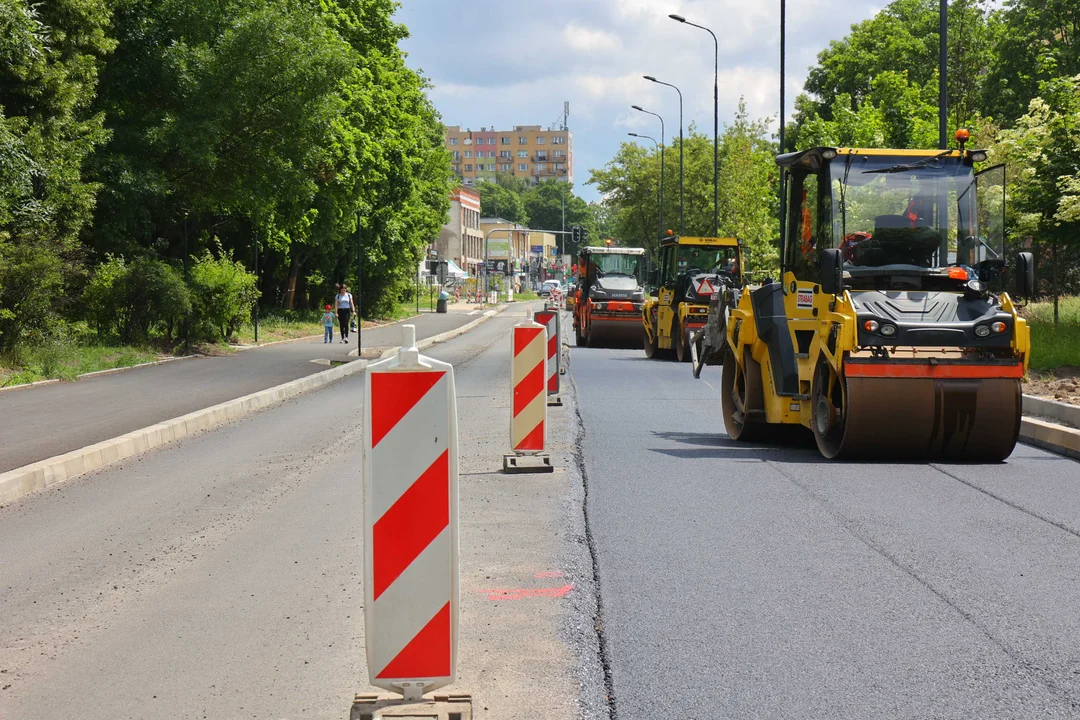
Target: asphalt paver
<point>758,580</point>
<point>42,422</point>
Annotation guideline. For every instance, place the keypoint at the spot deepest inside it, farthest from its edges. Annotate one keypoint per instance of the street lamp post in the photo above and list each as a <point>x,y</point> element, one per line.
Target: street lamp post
<point>660,193</point>
<point>715,120</point>
<point>359,287</point>
<point>682,197</point>
<point>640,109</point>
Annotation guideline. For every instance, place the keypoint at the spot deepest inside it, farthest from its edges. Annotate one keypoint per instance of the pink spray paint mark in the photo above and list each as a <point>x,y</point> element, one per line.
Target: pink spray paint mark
<point>522,593</point>
<point>549,574</point>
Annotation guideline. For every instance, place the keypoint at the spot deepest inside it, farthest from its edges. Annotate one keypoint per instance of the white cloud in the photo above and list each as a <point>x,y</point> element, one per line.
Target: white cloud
<point>583,39</point>
<point>505,65</point>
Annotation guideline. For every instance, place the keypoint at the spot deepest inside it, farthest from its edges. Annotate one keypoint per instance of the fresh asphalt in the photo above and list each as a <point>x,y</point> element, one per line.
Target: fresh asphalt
<point>759,581</point>
<point>49,420</point>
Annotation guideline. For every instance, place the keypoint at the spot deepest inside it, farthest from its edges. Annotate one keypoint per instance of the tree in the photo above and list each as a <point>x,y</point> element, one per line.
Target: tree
<point>496,200</point>
<point>49,55</point>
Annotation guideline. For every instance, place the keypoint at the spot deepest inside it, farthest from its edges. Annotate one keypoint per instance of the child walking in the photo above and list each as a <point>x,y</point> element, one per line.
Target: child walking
<point>328,325</point>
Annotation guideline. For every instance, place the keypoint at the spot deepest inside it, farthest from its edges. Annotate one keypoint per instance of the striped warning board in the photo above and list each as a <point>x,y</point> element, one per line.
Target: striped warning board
<point>550,320</point>
<point>527,426</point>
<point>410,521</point>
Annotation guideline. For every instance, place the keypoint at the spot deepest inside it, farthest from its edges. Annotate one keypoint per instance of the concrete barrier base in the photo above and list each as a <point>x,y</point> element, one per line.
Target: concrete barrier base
<point>520,464</point>
<point>450,706</point>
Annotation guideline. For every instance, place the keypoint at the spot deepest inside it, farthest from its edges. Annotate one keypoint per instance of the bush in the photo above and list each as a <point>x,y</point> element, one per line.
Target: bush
<point>31,288</point>
<point>127,301</point>
<point>224,295</point>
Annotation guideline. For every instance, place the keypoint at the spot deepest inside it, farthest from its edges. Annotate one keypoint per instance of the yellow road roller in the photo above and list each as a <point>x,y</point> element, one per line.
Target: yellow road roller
<point>889,334</point>
<point>692,270</point>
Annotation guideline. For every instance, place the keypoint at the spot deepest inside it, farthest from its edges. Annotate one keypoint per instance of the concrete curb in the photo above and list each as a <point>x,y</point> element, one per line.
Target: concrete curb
<point>111,371</point>
<point>443,337</point>
<point>1052,410</point>
<point>1051,436</point>
<point>16,483</point>
<point>242,348</point>
<point>25,386</point>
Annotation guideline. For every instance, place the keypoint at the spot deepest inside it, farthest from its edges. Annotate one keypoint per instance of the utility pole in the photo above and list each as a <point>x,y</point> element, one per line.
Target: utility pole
<point>187,284</point>
<point>943,82</point>
<point>359,287</point>
<point>256,285</point>
<point>783,148</point>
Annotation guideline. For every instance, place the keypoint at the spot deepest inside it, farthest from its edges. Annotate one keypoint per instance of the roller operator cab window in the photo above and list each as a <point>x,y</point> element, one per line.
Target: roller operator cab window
<point>898,220</point>
<point>617,264</point>
<point>706,259</point>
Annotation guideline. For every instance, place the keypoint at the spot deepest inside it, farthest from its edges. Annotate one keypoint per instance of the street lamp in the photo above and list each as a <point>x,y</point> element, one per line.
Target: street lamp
<point>682,197</point>
<point>715,120</point>
<point>660,194</point>
<point>640,109</point>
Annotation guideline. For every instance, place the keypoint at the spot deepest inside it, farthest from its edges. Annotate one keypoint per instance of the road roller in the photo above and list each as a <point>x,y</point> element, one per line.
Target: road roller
<point>889,333</point>
<point>692,270</point>
<point>608,301</point>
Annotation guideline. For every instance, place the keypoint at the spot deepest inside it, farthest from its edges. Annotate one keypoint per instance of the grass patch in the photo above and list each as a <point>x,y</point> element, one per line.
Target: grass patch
<point>527,297</point>
<point>66,361</point>
<point>1054,346</point>
<point>284,325</point>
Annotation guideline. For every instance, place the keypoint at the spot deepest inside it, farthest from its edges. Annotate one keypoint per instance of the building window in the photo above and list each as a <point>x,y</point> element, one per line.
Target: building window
<point>523,153</point>
<point>468,168</point>
<point>504,140</point>
<point>453,141</point>
<point>468,141</point>
<point>523,140</point>
<point>468,154</point>
<point>541,155</point>
<point>558,140</point>
<point>541,166</point>
<point>491,167</point>
<point>523,167</point>
<point>491,141</point>
<point>541,140</point>
<point>491,153</point>
<point>505,167</point>
<point>559,153</point>
<point>560,166</point>
<point>504,153</point>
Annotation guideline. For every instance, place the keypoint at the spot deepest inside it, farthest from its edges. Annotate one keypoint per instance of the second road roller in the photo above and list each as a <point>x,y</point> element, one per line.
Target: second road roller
<point>889,333</point>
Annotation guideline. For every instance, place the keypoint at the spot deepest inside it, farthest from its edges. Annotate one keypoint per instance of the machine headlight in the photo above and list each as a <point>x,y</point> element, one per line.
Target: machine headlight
<point>999,327</point>
<point>888,330</point>
<point>982,331</point>
<point>871,326</point>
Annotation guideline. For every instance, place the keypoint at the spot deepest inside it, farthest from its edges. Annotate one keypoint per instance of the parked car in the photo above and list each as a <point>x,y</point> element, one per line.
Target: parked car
<point>545,287</point>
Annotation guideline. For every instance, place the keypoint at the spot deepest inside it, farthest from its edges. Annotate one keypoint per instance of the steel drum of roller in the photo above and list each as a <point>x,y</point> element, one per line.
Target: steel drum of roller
<point>973,420</point>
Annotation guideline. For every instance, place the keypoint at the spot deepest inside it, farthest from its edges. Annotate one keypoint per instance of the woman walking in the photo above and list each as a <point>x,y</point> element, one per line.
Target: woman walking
<point>343,303</point>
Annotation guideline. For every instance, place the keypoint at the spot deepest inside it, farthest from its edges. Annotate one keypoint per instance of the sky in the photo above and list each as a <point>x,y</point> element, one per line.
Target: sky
<point>510,62</point>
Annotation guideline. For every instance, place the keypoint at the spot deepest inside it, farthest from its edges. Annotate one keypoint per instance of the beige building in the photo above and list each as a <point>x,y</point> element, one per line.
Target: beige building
<point>510,244</point>
<point>461,239</point>
<point>526,151</point>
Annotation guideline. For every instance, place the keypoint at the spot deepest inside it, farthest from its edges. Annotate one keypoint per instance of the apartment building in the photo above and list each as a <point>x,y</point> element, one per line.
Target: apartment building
<point>527,151</point>
<point>460,239</point>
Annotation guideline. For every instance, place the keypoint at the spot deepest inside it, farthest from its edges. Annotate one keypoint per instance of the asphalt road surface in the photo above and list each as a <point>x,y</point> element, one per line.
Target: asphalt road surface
<point>45,421</point>
<point>221,576</point>
<point>751,581</point>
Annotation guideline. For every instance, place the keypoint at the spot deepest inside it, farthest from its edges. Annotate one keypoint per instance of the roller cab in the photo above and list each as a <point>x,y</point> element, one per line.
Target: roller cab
<point>607,304</point>
<point>889,334</point>
<point>692,270</point>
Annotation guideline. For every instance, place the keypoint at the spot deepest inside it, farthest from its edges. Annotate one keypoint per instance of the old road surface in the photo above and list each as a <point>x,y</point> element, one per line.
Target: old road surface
<point>681,576</point>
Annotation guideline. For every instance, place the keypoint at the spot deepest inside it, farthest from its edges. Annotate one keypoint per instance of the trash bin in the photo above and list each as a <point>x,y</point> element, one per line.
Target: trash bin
<point>444,297</point>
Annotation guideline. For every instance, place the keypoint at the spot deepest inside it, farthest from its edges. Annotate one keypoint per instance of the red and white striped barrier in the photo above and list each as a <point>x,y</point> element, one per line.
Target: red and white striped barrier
<point>410,522</point>
<point>528,424</point>
<point>550,320</point>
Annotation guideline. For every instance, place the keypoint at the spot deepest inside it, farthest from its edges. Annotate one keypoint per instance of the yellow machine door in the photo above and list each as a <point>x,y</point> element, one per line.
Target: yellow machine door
<point>666,313</point>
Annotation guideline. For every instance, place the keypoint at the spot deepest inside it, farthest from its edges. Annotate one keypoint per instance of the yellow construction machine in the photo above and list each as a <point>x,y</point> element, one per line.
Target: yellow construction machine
<point>889,334</point>
<point>692,270</point>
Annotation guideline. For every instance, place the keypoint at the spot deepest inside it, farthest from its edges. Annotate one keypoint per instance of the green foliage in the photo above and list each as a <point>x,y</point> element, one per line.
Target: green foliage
<point>223,296</point>
<point>749,202</point>
<point>125,301</point>
<point>497,200</point>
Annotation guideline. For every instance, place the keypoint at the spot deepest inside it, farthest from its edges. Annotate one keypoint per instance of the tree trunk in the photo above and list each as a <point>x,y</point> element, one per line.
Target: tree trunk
<point>290,289</point>
<point>1053,282</point>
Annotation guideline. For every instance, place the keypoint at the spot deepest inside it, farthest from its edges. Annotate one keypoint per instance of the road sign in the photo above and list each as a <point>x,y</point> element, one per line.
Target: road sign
<point>550,320</point>
<point>410,521</point>
<point>528,422</point>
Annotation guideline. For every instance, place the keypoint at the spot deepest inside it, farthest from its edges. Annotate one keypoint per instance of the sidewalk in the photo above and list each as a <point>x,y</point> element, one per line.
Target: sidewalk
<point>53,419</point>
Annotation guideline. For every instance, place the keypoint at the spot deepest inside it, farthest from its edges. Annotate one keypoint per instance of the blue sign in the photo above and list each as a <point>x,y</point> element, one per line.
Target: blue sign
<point>537,249</point>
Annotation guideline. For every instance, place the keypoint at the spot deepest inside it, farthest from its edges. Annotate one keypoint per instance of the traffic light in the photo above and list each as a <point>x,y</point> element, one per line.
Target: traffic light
<point>575,233</point>
<point>584,236</point>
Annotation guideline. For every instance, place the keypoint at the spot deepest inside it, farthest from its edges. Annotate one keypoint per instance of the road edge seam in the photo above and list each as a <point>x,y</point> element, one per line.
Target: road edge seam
<point>441,337</point>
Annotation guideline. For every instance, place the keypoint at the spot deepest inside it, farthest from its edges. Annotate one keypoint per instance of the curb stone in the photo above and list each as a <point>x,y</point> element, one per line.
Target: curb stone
<point>22,481</point>
<point>442,337</point>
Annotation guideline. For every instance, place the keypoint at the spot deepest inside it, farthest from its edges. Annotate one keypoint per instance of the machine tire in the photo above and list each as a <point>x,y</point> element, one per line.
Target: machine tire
<point>649,345</point>
<point>579,339</point>
<point>828,400</point>
<point>750,393</point>
<point>590,339</point>
<point>682,344</point>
